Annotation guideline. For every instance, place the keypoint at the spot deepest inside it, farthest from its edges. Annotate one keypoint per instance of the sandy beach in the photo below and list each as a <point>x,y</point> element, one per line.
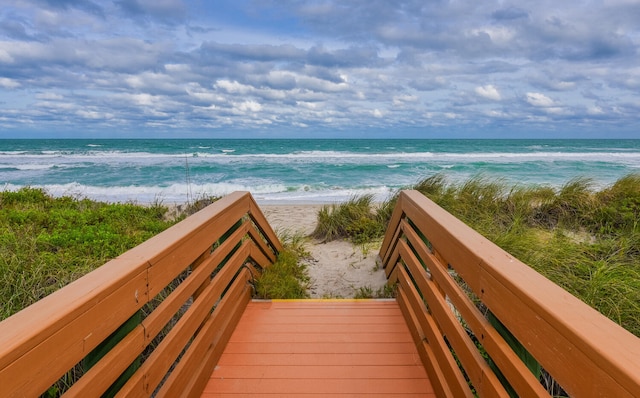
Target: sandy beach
<point>337,269</point>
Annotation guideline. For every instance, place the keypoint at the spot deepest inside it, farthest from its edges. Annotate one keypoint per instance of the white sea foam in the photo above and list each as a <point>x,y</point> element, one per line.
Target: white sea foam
<point>181,193</point>
<point>26,167</point>
<point>228,154</point>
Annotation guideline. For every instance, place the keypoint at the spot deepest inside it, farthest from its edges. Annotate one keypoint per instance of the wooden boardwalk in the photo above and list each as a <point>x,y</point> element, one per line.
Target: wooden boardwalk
<point>317,348</point>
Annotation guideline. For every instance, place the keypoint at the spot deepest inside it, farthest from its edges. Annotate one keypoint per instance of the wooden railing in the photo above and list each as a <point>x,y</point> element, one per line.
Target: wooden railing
<point>485,322</point>
<point>153,320</point>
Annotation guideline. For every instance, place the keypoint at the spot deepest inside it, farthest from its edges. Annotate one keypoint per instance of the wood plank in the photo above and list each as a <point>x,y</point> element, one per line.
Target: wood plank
<point>390,237</point>
<point>321,386</point>
<point>254,336</point>
<point>173,254</point>
<point>336,371</point>
<point>314,395</point>
<point>318,348</point>
<point>262,245</point>
<point>444,360</point>
<point>438,380</point>
<point>264,356</point>
<point>197,384</point>
<point>263,225</point>
<point>154,369</point>
<point>30,327</point>
<point>332,328</point>
<point>281,359</point>
<point>157,320</point>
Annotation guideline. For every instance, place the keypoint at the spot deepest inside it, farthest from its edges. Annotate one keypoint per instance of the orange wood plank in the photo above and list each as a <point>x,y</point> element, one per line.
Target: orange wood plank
<point>313,395</point>
<point>319,395</point>
<point>360,371</point>
<point>328,328</point>
<point>234,347</point>
<point>394,359</point>
<point>321,386</point>
<point>295,348</point>
<point>252,336</point>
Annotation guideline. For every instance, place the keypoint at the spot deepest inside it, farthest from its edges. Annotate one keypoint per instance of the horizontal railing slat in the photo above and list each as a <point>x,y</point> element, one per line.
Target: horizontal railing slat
<point>453,378</point>
<point>263,225</point>
<point>255,236</point>
<point>104,373</point>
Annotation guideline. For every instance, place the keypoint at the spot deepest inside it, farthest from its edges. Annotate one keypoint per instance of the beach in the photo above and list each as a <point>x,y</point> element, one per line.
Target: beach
<point>337,269</point>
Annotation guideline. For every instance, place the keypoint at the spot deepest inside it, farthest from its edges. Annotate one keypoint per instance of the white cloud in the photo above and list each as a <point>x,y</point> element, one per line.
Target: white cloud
<point>49,96</point>
<point>595,110</point>
<point>249,106</point>
<point>489,91</point>
<point>402,99</point>
<point>8,83</point>
<point>232,87</point>
<point>539,100</point>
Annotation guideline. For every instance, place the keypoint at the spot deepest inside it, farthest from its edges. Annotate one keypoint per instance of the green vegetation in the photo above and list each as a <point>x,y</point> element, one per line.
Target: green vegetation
<point>287,278</point>
<point>585,240</point>
<point>46,242</point>
<point>367,292</point>
<point>354,219</point>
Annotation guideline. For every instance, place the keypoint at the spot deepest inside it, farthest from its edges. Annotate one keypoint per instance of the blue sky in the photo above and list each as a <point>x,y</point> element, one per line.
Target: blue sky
<point>329,68</point>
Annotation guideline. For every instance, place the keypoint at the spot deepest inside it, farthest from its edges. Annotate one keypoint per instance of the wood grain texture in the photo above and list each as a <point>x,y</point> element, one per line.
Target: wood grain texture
<point>298,348</point>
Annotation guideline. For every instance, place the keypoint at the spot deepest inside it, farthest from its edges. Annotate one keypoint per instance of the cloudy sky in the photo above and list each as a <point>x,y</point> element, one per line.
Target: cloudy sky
<point>284,68</point>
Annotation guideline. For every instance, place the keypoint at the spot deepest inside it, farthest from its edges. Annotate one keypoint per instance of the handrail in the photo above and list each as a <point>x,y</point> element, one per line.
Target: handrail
<point>195,272</point>
<point>454,284</point>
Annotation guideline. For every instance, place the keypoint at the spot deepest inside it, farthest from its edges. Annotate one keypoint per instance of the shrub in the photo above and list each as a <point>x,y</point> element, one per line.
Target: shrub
<point>47,242</point>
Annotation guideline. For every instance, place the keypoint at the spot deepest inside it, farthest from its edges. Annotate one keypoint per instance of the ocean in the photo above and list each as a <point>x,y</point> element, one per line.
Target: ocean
<point>297,171</point>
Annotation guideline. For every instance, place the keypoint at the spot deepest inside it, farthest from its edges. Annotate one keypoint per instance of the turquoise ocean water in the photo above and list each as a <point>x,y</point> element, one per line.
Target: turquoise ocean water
<point>298,171</point>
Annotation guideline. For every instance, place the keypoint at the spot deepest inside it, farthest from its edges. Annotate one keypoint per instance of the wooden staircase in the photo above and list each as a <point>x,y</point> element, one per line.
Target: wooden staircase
<point>174,317</point>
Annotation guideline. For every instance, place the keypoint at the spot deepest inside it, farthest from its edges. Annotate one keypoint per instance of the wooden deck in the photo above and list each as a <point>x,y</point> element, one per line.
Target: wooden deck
<point>328,347</point>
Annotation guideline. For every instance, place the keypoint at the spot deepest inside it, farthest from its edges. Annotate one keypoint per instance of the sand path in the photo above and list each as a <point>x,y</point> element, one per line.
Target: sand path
<point>337,269</point>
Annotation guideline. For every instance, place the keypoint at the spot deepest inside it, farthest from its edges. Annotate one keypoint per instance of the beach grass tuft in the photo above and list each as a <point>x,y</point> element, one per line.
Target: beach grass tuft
<point>354,219</point>
<point>287,278</point>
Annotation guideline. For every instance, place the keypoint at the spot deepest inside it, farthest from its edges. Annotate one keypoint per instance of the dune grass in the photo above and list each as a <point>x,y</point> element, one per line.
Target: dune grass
<point>355,219</point>
<point>585,240</point>
<point>47,242</point>
<point>287,278</point>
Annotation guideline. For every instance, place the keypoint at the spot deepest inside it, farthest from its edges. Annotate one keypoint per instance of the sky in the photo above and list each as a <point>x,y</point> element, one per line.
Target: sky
<point>326,68</point>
